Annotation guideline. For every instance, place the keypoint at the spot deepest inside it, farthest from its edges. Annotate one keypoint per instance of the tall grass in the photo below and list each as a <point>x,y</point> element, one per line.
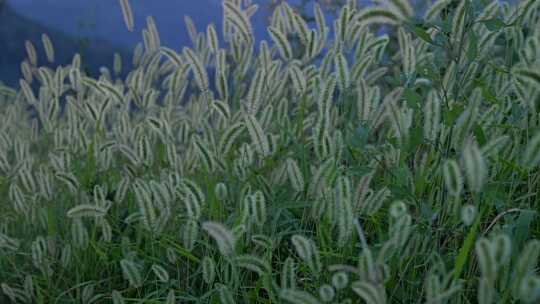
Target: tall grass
<point>330,165</point>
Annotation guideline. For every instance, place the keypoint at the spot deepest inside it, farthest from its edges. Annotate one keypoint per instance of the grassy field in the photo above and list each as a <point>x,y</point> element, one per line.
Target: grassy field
<point>329,165</point>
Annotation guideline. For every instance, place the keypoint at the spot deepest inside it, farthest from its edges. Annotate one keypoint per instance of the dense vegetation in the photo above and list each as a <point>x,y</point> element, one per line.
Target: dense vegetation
<point>333,165</point>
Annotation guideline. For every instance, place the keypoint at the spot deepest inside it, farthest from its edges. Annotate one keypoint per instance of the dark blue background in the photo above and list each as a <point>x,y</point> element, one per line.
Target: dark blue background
<point>96,28</point>
<point>103,18</point>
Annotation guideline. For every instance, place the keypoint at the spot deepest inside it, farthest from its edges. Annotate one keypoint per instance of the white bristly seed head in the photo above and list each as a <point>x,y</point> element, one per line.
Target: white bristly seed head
<point>475,167</point>
<point>308,252</point>
<point>220,191</point>
<point>208,270</point>
<point>161,273</point>
<point>327,293</point>
<point>288,274</point>
<point>370,292</point>
<point>258,136</point>
<point>529,289</point>
<point>295,175</point>
<point>131,273</point>
<point>223,237</point>
<point>127,13</point>
<point>87,210</point>
<point>340,280</point>
<point>282,43</point>
<point>253,263</point>
<point>486,259</point>
<point>49,49</point>
<point>295,296</point>
<point>468,214</point>
<point>452,177</point>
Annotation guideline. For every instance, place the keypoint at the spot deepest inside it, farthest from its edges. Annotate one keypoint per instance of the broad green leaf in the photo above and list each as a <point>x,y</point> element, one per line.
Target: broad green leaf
<point>422,34</point>
<point>472,50</point>
<point>451,116</point>
<point>412,98</point>
<point>493,24</point>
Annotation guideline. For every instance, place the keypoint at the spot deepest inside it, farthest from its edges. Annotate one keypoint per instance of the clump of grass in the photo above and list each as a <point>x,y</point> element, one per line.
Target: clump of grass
<point>330,165</point>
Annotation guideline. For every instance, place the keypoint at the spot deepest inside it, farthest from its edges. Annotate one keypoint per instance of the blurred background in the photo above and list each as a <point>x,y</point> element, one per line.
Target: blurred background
<point>95,28</point>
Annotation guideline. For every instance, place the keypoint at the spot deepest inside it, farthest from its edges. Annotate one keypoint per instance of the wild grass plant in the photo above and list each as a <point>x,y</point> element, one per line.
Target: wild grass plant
<point>333,164</point>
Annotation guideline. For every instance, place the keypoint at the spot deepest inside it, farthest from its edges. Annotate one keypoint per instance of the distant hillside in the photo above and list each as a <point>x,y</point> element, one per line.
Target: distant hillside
<point>15,29</point>
<point>103,18</point>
